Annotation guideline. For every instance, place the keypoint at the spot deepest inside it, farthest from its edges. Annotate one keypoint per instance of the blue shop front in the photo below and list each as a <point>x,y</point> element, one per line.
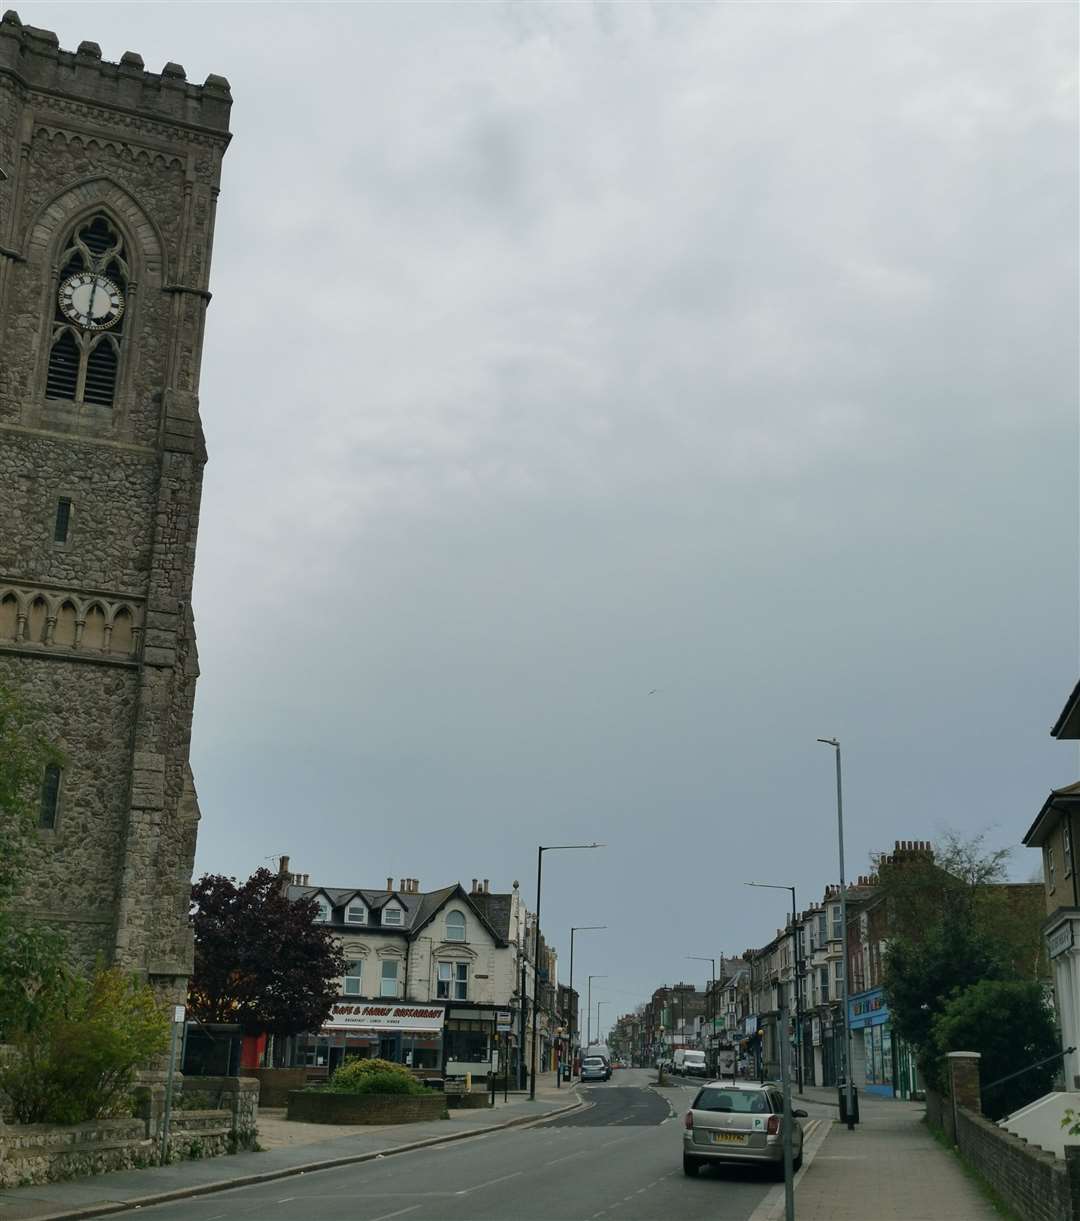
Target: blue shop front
<point>872,1054</point>
<point>882,1063</point>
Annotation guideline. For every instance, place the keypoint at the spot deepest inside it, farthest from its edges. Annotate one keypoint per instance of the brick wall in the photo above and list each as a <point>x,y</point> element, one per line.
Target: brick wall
<point>1035,1184</point>
<point>315,1106</point>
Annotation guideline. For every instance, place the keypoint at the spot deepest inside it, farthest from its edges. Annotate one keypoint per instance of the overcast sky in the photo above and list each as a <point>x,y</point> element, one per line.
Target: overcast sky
<point>604,403</point>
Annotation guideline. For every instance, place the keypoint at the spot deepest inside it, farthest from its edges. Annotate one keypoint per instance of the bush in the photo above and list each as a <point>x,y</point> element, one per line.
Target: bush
<point>1011,1026</point>
<point>374,1077</point>
<point>77,1061</point>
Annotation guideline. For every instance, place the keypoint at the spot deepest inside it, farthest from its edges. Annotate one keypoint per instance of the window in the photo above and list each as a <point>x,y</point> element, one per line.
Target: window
<point>388,984</point>
<point>838,972</point>
<point>324,912</point>
<point>356,913</point>
<point>63,520</point>
<point>823,930</point>
<point>353,973</point>
<point>453,983</point>
<point>1051,869</point>
<point>50,797</point>
<point>391,915</point>
<point>455,926</point>
<point>88,319</point>
<point>837,925</point>
<point>824,984</point>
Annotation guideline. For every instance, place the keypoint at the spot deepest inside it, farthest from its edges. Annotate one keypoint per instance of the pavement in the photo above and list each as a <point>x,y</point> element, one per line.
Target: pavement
<point>287,1149</point>
<point>889,1168</point>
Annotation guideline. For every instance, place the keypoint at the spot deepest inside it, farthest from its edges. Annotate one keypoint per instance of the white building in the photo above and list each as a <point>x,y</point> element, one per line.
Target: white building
<point>433,979</point>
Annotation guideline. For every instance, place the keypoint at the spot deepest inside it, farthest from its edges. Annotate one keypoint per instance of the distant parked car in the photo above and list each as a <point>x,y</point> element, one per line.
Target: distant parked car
<point>594,1068</point>
<point>740,1123</point>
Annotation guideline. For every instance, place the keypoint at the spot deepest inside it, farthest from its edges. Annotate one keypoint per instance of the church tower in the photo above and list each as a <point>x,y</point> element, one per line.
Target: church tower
<point>108,184</point>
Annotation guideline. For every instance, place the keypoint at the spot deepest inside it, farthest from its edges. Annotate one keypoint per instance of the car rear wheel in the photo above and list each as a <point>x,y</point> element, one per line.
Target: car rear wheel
<point>796,1165</point>
<point>690,1166</point>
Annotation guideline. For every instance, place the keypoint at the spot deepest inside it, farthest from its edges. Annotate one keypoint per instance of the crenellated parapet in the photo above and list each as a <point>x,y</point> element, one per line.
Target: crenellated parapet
<point>34,57</point>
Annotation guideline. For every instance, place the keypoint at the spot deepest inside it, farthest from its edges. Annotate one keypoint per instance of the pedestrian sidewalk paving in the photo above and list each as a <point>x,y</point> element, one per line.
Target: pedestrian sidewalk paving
<point>889,1168</point>
<point>98,1195</point>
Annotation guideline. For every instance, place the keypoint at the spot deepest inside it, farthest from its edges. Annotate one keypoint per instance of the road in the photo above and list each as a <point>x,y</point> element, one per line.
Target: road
<point>620,1159</point>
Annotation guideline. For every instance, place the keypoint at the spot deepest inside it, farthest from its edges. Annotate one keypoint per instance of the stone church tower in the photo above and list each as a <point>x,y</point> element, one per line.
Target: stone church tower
<point>108,180</point>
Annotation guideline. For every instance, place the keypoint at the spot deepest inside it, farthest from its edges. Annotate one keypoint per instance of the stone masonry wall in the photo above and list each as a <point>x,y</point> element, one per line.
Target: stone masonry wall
<point>80,137</point>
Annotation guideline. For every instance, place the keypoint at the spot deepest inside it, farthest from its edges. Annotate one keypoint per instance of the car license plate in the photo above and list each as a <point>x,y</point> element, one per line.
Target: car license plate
<point>728,1138</point>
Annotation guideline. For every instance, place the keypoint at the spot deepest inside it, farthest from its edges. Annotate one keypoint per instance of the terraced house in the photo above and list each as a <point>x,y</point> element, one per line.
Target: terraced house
<point>441,980</point>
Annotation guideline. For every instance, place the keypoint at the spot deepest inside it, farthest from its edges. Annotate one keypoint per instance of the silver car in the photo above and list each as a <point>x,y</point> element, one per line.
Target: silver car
<point>740,1123</point>
<point>594,1068</point>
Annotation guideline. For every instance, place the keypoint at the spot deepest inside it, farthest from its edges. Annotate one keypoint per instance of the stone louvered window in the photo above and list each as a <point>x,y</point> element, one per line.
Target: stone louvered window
<point>50,797</point>
<point>84,357</point>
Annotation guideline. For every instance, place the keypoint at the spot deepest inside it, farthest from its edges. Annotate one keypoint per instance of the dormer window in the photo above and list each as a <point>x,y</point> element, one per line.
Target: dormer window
<point>391,915</point>
<point>455,926</point>
<point>322,916</point>
<point>356,913</point>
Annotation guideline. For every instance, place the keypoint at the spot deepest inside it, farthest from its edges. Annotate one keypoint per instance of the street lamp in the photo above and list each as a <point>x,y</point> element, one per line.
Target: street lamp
<point>835,744</point>
<point>536,948</point>
<point>794,976</point>
<point>579,928</point>
<point>712,991</point>
<point>588,1011</point>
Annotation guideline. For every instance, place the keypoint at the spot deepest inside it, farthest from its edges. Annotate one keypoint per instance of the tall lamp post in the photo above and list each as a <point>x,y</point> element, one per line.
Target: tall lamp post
<point>794,976</point>
<point>536,949</point>
<point>835,744</point>
<point>598,1004</point>
<point>712,990</point>
<point>588,1012</point>
<point>579,928</point>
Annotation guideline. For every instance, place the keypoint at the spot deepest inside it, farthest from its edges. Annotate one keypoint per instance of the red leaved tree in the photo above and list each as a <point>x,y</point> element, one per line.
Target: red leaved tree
<point>260,958</point>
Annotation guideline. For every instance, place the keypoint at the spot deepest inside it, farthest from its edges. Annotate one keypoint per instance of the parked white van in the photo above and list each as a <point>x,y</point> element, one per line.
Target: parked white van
<point>691,1062</point>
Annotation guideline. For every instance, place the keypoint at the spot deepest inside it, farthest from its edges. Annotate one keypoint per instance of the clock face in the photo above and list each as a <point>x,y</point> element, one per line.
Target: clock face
<point>91,300</point>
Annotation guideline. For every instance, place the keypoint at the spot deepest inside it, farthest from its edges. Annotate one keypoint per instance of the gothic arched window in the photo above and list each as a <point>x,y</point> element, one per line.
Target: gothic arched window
<point>88,322</point>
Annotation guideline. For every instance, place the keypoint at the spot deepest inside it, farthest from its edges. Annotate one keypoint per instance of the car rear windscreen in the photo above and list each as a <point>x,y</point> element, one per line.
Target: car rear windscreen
<point>593,1062</point>
<point>712,1099</point>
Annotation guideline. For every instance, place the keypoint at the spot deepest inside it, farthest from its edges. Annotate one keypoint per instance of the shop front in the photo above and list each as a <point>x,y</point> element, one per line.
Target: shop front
<point>872,1053</point>
<point>406,1034</point>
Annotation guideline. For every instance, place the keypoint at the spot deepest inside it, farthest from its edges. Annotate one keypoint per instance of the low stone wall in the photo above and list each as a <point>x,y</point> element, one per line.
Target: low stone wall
<point>318,1106</point>
<point>45,1153</point>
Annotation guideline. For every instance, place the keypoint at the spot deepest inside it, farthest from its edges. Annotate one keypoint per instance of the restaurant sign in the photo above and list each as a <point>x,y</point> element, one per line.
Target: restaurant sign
<point>345,1016</point>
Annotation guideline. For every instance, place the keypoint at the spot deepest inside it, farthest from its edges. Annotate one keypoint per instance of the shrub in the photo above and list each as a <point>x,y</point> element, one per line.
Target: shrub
<point>78,1060</point>
<point>374,1077</point>
<point>1011,1026</point>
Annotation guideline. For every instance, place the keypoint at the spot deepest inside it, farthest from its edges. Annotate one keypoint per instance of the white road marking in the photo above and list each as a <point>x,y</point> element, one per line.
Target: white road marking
<point>400,1212</point>
<point>490,1183</point>
<point>567,1157</point>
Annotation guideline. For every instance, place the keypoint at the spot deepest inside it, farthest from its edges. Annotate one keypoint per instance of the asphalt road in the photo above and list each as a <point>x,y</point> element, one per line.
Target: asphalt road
<point>619,1159</point>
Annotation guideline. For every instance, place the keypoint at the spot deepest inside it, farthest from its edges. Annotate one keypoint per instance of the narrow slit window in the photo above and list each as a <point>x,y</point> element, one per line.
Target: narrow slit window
<point>50,797</point>
<point>63,520</point>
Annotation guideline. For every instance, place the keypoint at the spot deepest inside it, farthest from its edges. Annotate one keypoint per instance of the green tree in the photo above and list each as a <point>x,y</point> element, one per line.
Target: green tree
<point>1011,1026</point>
<point>78,1059</point>
<point>952,923</point>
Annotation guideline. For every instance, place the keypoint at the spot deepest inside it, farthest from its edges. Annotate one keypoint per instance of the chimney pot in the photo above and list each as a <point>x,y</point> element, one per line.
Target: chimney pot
<point>473,891</point>
<point>283,865</point>
<point>487,886</point>
<point>389,883</point>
